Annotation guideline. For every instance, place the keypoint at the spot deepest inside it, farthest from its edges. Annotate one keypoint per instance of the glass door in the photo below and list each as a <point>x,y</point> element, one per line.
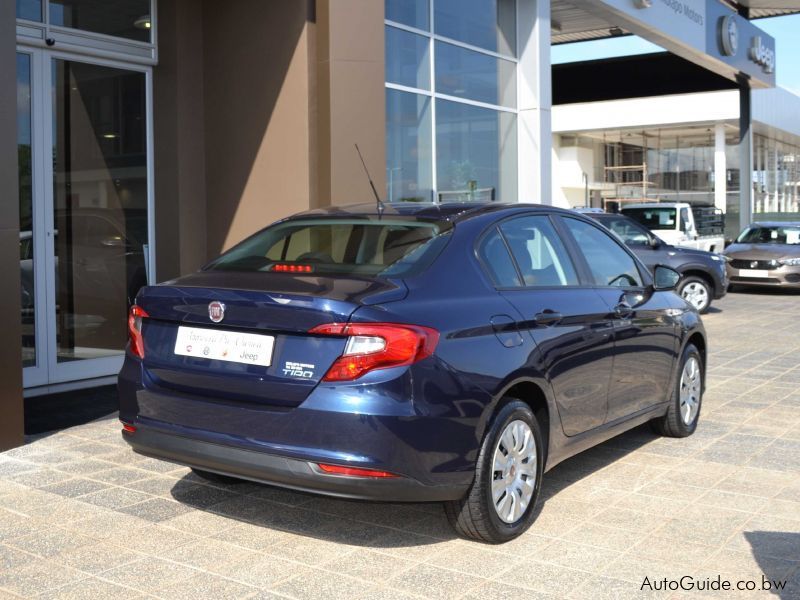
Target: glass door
<point>90,220</point>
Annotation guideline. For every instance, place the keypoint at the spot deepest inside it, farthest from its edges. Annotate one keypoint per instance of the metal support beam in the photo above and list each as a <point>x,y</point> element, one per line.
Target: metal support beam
<point>745,155</point>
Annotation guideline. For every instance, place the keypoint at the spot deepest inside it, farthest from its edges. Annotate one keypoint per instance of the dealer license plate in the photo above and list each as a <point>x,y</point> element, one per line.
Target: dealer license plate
<point>753,273</point>
<point>231,346</point>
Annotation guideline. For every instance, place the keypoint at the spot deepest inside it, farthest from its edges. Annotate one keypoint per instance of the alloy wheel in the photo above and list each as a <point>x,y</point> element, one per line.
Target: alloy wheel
<point>691,384</point>
<point>514,471</point>
<point>696,294</point>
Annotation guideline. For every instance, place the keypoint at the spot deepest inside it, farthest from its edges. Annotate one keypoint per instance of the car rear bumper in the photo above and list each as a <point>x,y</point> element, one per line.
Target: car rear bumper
<point>282,471</point>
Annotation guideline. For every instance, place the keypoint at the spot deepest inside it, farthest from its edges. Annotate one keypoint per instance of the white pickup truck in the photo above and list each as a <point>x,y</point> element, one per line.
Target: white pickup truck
<point>681,223</point>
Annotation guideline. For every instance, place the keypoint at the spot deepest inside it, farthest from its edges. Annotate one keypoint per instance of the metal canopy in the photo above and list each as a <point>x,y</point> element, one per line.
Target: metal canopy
<point>570,22</point>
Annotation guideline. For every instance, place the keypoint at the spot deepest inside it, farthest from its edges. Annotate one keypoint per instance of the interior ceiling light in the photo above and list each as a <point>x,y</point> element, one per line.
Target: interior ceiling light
<point>142,22</point>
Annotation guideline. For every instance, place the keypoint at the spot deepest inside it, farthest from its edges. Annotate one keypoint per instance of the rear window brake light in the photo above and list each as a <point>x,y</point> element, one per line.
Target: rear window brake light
<point>287,268</point>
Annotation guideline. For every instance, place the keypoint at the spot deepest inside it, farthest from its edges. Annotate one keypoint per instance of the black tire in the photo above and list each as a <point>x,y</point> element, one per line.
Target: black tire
<point>698,281</point>
<point>216,477</point>
<point>474,516</point>
<point>672,424</point>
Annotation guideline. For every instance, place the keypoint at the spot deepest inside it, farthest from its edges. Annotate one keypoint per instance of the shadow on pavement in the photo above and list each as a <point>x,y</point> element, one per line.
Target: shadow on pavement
<point>777,554</point>
<point>53,412</point>
<point>366,523</point>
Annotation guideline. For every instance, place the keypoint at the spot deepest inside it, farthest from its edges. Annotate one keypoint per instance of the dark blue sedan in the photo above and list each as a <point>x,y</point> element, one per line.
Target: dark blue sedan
<point>412,352</point>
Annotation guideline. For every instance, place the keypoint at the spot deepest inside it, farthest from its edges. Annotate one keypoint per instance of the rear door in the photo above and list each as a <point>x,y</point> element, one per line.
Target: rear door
<point>645,335</point>
<point>568,321</point>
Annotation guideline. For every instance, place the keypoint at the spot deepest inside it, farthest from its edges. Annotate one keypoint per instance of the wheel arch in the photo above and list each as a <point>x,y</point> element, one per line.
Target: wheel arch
<point>532,393</point>
<point>695,272</point>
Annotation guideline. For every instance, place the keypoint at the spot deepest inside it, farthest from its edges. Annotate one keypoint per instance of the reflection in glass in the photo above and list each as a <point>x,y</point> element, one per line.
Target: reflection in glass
<point>487,24</point>
<point>408,147</point>
<point>476,76</point>
<point>413,13</point>
<point>121,18</point>
<point>29,9</point>
<point>476,153</point>
<point>100,204</point>
<point>407,61</point>
<point>25,208</point>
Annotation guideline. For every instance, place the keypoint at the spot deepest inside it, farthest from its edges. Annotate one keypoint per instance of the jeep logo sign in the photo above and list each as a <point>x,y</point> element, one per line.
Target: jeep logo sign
<point>762,55</point>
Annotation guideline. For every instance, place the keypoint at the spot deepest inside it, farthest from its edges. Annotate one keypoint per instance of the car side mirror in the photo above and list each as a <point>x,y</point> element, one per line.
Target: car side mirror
<point>655,242</point>
<point>665,278</point>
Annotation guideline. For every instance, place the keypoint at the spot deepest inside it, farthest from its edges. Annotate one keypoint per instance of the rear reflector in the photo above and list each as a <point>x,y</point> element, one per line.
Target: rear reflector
<point>281,268</point>
<point>128,428</point>
<point>373,346</point>
<point>135,317</point>
<point>355,472</point>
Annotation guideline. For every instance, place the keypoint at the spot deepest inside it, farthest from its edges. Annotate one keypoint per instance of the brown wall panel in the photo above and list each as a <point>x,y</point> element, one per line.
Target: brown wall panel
<point>257,115</point>
<point>11,406</point>
<point>351,100</point>
<point>179,148</point>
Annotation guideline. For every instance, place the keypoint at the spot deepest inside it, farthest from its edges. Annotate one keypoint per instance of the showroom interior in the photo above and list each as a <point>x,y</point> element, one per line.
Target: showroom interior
<point>150,135</point>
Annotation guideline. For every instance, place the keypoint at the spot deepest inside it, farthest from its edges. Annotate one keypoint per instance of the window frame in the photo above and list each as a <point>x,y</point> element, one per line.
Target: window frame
<point>580,259</point>
<point>584,281</point>
<point>90,43</point>
<point>433,38</point>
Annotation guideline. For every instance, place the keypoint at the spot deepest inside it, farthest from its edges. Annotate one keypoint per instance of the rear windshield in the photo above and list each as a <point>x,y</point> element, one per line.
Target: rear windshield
<point>652,218</point>
<point>770,235</point>
<point>368,247</point>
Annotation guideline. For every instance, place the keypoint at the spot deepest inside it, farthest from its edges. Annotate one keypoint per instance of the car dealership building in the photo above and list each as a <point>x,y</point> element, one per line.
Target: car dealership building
<point>142,138</point>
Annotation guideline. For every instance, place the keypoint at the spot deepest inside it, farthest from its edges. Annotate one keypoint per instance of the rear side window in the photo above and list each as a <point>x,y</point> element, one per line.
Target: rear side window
<point>609,263</point>
<point>539,252</point>
<point>495,256</point>
<point>380,247</point>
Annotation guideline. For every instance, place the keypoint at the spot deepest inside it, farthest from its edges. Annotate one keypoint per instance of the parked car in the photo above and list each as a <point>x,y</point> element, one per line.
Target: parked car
<point>417,352</point>
<point>703,274</point>
<point>682,224</point>
<point>766,254</point>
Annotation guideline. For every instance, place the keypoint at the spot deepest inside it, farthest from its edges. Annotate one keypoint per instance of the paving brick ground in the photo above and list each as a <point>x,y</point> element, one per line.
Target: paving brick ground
<point>83,517</point>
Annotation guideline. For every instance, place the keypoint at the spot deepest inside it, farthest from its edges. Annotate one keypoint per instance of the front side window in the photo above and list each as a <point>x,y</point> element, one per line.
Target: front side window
<point>608,261</point>
<point>386,247</point>
<point>541,256</point>
<point>628,231</point>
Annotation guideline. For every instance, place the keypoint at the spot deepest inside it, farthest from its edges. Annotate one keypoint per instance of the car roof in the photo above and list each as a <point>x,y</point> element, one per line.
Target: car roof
<point>448,211</point>
<point>775,224</point>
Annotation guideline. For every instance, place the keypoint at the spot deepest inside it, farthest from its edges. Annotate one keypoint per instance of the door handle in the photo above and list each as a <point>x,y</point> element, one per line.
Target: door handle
<point>547,317</point>
<point>623,310</point>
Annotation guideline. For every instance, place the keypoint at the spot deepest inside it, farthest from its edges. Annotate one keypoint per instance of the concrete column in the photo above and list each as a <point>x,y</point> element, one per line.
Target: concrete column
<point>11,406</point>
<point>535,100</point>
<point>720,168</point>
<point>745,156</point>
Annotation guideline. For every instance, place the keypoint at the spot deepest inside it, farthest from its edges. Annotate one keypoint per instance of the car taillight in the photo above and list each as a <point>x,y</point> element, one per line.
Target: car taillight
<point>373,346</point>
<point>135,317</point>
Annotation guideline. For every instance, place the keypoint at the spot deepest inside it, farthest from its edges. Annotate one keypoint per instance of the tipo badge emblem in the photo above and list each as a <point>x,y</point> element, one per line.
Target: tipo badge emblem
<point>216,311</point>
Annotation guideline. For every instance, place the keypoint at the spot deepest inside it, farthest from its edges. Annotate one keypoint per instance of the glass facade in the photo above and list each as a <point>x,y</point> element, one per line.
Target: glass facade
<point>776,175</point>
<point>678,165</point>
<point>451,100</point>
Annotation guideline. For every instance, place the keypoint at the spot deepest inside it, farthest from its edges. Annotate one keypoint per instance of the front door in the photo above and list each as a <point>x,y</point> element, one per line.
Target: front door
<point>644,334</point>
<point>568,321</point>
<point>84,197</point>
